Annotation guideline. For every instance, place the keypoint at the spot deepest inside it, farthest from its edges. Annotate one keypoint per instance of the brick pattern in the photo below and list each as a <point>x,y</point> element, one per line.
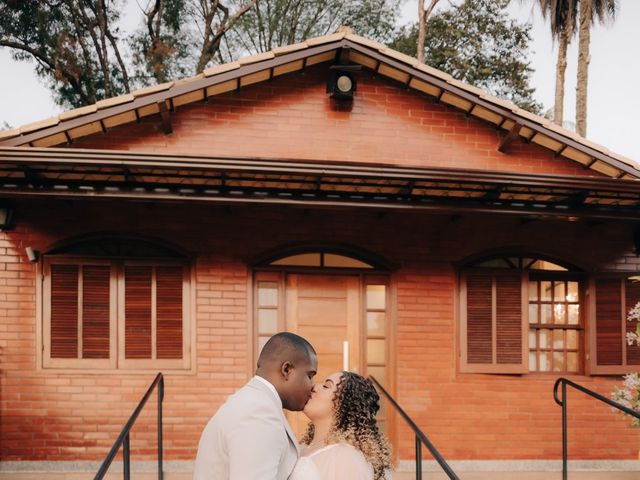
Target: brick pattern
<point>51,415</point>
<point>61,416</point>
<point>291,117</point>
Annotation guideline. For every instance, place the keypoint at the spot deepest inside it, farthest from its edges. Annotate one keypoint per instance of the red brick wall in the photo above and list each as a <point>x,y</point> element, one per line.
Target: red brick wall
<point>291,117</point>
<point>61,416</point>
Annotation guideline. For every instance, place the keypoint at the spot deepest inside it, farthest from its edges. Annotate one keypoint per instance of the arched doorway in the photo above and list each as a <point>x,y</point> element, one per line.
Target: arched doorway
<point>338,299</point>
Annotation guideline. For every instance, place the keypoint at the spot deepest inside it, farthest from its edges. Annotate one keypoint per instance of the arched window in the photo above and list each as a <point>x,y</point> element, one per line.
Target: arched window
<point>521,314</point>
<point>115,303</point>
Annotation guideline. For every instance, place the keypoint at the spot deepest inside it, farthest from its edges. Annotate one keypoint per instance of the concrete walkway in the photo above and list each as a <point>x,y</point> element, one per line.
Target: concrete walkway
<point>396,476</point>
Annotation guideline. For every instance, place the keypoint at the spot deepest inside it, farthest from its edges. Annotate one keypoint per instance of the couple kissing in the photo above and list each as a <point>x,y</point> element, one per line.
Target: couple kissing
<point>249,437</point>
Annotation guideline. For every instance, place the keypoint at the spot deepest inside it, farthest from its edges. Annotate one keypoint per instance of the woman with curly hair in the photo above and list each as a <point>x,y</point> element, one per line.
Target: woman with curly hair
<point>343,441</point>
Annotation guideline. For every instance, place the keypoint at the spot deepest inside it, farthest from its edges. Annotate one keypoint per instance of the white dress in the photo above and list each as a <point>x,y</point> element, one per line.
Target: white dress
<point>338,461</point>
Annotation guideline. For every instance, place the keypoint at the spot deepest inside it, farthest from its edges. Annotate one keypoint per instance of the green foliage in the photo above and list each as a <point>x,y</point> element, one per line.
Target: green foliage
<point>274,23</point>
<point>62,37</point>
<point>76,43</point>
<point>478,43</point>
<point>162,47</point>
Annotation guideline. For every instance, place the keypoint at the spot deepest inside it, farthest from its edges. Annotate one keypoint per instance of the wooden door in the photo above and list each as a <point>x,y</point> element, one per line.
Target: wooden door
<point>326,310</point>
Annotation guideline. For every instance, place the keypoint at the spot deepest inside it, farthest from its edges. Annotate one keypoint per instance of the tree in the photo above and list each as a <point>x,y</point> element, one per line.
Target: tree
<point>73,45</point>
<point>562,16</point>
<point>478,43</point>
<point>275,23</point>
<point>590,11</point>
<point>77,47</point>
<point>423,16</point>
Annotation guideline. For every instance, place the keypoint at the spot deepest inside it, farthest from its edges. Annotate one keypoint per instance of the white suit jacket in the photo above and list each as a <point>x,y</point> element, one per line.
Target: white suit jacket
<point>248,438</point>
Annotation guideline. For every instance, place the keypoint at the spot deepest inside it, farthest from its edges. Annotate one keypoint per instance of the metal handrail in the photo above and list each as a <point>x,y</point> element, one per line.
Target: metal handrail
<point>563,404</point>
<point>123,438</point>
<point>420,438</point>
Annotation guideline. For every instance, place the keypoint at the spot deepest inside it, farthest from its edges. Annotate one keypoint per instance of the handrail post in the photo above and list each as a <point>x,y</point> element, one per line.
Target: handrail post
<point>564,431</point>
<point>418,458</point>
<point>126,467</point>
<point>160,399</point>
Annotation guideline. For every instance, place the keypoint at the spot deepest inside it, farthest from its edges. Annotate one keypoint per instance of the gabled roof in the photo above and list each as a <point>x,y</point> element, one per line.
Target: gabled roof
<point>409,72</point>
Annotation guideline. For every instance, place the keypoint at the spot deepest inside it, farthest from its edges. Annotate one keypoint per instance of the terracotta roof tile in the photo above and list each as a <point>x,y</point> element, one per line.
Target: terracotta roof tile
<point>466,86</point>
<point>434,72</point>
<point>334,37</point>
<point>499,101</point>
<point>152,89</point>
<point>365,41</point>
<point>112,102</point>
<point>5,134</point>
<point>256,58</point>
<point>77,112</point>
<point>184,81</point>
<point>39,125</point>
<point>289,48</point>
<point>215,70</point>
<point>368,59</point>
<point>412,61</point>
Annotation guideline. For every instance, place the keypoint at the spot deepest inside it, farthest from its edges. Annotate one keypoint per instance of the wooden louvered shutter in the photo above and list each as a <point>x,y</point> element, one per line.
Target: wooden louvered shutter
<point>613,298</point>
<point>64,311</point>
<point>153,315</point>
<point>79,314</point>
<point>138,311</point>
<point>96,282</point>
<point>493,322</point>
<point>169,312</point>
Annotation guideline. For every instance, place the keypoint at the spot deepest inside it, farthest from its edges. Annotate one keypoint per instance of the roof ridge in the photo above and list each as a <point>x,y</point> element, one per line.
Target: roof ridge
<point>343,34</point>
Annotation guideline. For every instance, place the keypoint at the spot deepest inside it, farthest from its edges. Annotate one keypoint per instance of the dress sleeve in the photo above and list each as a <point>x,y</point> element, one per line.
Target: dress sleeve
<point>344,462</point>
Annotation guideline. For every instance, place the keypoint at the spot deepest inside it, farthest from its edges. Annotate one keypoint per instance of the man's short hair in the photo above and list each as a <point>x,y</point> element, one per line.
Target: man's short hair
<point>285,346</point>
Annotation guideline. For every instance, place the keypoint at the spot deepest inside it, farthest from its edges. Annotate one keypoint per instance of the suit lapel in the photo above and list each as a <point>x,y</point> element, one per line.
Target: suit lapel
<point>290,433</point>
<point>255,383</point>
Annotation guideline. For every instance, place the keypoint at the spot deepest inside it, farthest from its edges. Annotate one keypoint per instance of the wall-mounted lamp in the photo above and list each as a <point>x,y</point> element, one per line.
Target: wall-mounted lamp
<point>32,254</point>
<point>341,85</point>
<point>6,214</point>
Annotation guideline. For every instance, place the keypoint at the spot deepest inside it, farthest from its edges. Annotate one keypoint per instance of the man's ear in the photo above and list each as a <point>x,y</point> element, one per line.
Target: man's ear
<point>285,369</point>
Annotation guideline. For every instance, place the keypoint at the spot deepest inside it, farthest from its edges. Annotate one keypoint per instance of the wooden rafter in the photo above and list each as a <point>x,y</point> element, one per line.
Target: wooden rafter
<point>513,134</point>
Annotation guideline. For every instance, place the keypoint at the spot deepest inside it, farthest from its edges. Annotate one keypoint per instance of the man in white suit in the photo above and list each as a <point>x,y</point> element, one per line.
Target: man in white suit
<point>249,437</point>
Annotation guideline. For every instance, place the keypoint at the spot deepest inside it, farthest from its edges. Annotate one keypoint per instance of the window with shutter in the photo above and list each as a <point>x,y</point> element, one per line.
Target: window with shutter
<point>79,314</point>
<point>493,333</point>
<point>519,314</point>
<point>114,313</point>
<point>613,297</point>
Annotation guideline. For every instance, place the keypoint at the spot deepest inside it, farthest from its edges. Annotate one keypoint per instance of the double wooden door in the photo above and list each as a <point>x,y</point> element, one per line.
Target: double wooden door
<point>344,316</point>
<point>327,311</point>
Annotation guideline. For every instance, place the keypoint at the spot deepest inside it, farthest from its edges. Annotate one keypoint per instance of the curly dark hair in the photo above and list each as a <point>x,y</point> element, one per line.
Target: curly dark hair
<point>356,404</point>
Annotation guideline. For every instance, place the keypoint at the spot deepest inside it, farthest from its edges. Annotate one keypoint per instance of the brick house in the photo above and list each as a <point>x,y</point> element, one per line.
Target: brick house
<point>464,251</point>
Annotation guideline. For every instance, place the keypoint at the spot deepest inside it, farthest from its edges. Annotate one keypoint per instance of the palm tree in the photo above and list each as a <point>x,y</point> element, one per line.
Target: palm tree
<point>590,11</point>
<point>562,18</point>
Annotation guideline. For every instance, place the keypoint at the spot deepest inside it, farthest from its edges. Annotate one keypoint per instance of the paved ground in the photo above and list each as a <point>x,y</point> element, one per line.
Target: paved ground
<point>397,476</point>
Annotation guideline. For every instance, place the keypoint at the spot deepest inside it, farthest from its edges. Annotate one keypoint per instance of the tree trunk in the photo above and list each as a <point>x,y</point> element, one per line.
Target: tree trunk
<point>561,67</point>
<point>423,16</point>
<point>583,68</point>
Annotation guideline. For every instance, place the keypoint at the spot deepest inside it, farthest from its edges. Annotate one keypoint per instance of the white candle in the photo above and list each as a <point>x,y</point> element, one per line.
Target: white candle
<point>345,356</point>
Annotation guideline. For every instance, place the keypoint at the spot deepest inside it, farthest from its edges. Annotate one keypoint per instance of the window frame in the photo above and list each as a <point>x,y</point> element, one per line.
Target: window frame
<point>498,368</point>
<point>571,273</point>
<point>116,361</point>
<point>581,327</point>
<point>594,367</point>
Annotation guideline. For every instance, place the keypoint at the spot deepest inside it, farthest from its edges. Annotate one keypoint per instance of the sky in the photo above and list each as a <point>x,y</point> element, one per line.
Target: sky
<point>613,97</point>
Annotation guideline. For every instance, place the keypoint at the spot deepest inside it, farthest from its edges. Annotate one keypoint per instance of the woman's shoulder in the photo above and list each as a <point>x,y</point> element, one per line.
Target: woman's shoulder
<point>346,451</point>
<point>342,461</point>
